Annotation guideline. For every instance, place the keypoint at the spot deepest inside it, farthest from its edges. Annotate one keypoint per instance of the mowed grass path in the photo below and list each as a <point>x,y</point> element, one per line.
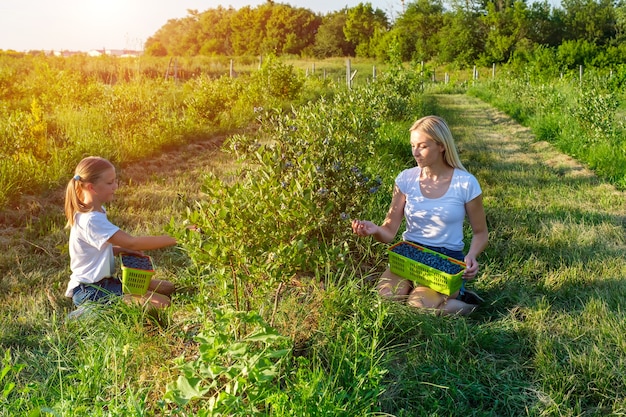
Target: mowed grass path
<point>554,273</point>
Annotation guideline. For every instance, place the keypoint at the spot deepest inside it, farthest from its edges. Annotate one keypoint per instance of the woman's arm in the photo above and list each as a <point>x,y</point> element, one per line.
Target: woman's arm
<point>387,231</point>
<point>480,235</point>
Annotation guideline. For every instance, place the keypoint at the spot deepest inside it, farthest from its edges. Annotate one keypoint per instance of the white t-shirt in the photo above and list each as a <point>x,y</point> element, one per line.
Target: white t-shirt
<point>437,221</point>
<point>91,256</point>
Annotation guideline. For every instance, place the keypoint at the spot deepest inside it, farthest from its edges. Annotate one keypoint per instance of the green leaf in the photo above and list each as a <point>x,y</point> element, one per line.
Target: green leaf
<point>185,390</point>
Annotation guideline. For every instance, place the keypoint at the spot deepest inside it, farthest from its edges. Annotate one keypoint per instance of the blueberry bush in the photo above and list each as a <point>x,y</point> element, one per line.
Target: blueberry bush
<point>307,173</point>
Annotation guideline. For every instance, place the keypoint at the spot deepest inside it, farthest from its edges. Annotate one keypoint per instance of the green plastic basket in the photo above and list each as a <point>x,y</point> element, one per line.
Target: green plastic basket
<point>424,274</point>
<point>135,280</point>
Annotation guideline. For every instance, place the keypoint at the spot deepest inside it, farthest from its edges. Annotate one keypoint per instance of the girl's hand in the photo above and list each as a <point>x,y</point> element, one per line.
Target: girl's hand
<point>363,227</point>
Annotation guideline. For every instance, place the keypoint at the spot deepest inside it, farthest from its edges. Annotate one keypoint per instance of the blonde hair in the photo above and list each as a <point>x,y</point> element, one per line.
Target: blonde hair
<point>437,129</point>
<point>88,170</point>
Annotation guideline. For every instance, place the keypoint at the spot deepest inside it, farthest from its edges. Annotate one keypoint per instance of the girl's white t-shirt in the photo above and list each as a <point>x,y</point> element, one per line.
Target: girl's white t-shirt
<point>91,255</point>
<point>437,221</point>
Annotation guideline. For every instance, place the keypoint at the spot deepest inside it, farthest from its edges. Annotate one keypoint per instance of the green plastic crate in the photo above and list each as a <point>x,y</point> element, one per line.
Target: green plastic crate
<point>135,280</point>
<point>423,274</point>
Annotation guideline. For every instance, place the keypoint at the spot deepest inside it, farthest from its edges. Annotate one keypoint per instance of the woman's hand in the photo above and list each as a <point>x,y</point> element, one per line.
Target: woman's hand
<point>364,227</point>
<point>471,268</point>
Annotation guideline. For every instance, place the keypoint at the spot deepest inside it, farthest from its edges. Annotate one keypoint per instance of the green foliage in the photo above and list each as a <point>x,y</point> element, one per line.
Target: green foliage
<point>233,374</point>
<point>277,80</point>
<point>268,28</point>
<point>572,54</point>
<point>343,372</point>
<point>330,39</point>
<point>362,24</point>
<point>460,39</point>
<point>417,30</point>
<point>10,372</point>
<point>211,101</point>
<point>548,341</point>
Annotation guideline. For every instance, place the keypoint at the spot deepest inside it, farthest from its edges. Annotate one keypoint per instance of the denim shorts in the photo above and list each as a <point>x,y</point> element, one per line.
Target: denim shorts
<point>456,254</point>
<point>103,291</point>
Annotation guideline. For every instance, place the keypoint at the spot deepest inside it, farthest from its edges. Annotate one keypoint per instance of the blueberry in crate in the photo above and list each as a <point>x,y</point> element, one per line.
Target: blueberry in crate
<point>137,262</point>
<point>432,269</point>
<point>430,259</point>
<point>137,271</point>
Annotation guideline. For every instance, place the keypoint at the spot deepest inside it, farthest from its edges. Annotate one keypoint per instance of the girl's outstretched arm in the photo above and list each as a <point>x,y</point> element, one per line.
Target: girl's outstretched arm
<point>140,243</point>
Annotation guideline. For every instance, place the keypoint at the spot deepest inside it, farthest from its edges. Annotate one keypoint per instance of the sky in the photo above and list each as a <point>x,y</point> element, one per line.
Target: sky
<point>84,25</point>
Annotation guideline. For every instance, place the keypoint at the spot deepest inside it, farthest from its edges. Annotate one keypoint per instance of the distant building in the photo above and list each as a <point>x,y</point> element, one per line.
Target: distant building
<point>122,53</point>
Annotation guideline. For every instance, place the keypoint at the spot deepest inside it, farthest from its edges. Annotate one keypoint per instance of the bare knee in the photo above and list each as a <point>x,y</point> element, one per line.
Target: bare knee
<point>392,286</point>
<point>424,297</point>
<point>161,287</point>
<point>149,300</point>
<point>158,300</point>
<point>454,306</point>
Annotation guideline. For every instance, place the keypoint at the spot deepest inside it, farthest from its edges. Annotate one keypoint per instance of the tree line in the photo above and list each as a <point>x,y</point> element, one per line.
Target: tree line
<point>463,32</point>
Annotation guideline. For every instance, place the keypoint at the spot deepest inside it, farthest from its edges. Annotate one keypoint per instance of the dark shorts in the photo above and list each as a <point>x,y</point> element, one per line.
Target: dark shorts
<point>456,254</point>
<point>103,291</point>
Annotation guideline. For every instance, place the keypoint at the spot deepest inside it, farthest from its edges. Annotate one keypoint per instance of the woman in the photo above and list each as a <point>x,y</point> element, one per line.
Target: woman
<point>434,197</point>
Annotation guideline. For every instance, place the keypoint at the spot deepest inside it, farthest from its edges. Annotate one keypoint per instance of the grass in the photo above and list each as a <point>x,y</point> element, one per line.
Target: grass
<point>549,341</point>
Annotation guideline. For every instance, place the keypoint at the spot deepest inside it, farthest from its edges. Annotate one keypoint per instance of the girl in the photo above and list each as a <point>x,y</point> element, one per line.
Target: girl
<point>434,197</point>
<point>95,242</point>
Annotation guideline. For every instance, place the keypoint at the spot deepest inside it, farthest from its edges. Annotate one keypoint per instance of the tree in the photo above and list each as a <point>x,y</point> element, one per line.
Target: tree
<point>289,30</point>
<point>416,31</point>
<point>504,29</point>
<point>545,24</point>
<point>590,20</point>
<point>177,36</point>
<point>215,31</point>
<point>247,32</point>
<point>154,48</point>
<point>362,23</point>
<point>330,39</point>
<point>460,38</point>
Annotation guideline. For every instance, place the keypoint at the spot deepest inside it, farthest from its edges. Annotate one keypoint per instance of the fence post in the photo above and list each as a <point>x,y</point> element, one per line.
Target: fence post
<point>493,70</point>
<point>260,61</point>
<point>373,72</point>
<point>348,72</point>
<point>232,69</point>
<point>580,74</point>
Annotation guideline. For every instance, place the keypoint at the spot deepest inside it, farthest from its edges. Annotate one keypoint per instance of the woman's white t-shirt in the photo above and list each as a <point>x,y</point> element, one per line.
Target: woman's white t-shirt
<point>91,255</point>
<point>437,221</point>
